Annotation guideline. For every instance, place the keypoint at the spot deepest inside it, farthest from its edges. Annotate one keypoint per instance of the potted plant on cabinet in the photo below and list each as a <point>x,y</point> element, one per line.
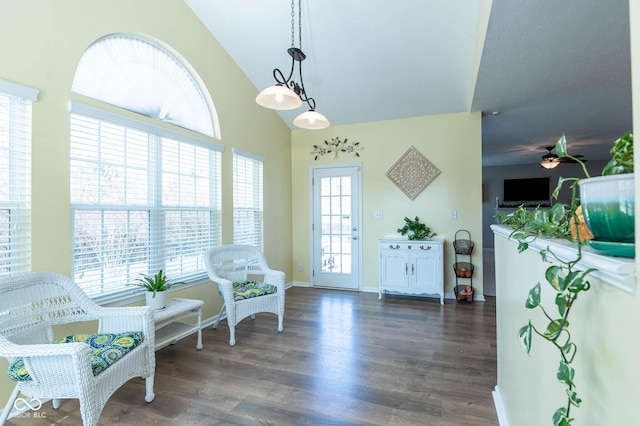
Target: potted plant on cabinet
<point>156,286</point>
<point>415,230</point>
<point>606,223</point>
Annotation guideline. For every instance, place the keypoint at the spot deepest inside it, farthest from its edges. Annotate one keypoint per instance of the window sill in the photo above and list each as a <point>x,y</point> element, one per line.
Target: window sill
<point>618,272</point>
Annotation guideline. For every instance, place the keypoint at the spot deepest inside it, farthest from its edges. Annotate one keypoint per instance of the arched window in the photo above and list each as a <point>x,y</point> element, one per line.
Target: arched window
<point>135,74</point>
<point>145,197</point>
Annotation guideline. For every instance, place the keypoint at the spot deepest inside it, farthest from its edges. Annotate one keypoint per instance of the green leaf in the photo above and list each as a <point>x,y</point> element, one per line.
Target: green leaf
<point>565,374</point>
<point>525,336</point>
<point>560,417</point>
<point>569,350</point>
<point>578,282</point>
<point>533,299</point>
<point>573,398</point>
<point>557,213</point>
<point>621,156</point>
<point>554,328</point>
<point>561,146</point>
<point>561,303</point>
<point>554,276</point>
<point>522,246</point>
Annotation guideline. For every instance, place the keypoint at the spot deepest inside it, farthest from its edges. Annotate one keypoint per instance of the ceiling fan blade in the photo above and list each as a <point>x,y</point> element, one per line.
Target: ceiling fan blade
<point>552,157</point>
<point>569,160</point>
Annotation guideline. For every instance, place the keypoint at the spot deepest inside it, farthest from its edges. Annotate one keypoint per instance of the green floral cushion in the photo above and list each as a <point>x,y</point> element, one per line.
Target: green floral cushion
<point>106,349</point>
<point>248,289</point>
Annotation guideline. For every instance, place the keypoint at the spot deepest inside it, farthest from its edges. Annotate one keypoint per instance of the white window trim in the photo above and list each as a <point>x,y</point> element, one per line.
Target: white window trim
<point>247,154</point>
<point>19,90</point>
<point>83,109</point>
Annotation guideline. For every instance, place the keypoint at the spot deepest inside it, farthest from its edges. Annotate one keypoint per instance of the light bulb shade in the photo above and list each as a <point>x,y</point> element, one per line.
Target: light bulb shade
<point>311,120</point>
<point>549,164</point>
<point>278,97</point>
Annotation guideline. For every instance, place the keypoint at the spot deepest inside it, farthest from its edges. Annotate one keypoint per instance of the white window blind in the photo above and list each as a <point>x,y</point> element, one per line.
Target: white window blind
<point>247,198</point>
<point>136,74</point>
<point>141,201</point>
<point>15,177</point>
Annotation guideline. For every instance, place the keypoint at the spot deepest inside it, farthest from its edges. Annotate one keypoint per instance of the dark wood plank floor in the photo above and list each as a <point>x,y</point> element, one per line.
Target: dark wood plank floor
<point>344,358</point>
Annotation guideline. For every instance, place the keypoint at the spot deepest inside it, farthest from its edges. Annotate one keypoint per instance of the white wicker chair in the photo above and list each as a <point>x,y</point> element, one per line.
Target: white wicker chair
<point>31,304</point>
<point>229,264</point>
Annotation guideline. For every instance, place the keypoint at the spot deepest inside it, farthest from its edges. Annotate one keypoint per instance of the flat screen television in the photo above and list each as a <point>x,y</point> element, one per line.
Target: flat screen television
<point>526,190</point>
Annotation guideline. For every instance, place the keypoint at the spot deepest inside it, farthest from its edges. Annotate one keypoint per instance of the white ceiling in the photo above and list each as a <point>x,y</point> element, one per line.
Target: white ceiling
<point>549,67</point>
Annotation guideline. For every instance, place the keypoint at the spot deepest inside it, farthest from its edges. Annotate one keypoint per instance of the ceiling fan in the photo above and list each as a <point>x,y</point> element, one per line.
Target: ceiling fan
<point>550,160</point>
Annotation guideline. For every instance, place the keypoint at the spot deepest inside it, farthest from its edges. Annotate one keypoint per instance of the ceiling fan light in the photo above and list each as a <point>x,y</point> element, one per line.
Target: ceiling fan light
<point>549,164</point>
<point>278,97</point>
<point>311,120</point>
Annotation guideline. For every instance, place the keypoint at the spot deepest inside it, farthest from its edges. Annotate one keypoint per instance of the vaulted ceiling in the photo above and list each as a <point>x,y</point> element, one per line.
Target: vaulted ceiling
<point>547,67</point>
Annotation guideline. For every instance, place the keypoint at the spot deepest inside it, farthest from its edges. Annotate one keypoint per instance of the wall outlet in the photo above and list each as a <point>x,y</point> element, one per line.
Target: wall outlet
<point>300,267</point>
<point>454,214</point>
<point>377,214</point>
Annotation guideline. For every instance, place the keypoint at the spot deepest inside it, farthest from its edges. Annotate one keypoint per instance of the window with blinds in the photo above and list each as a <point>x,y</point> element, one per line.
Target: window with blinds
<point>247,198</point>
<point>141,200</point>
<point>145,194</point>
<point>15,177</point>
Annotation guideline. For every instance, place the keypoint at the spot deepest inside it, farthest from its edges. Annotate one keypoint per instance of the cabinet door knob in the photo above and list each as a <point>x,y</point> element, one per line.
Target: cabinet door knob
<point>409,247</point>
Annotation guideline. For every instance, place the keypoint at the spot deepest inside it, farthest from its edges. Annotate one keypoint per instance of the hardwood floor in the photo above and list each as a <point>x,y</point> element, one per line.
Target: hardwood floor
<point>344,358</point>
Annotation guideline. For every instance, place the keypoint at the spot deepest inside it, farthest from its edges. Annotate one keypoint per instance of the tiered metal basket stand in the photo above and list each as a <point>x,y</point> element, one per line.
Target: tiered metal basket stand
<point>463,268</point>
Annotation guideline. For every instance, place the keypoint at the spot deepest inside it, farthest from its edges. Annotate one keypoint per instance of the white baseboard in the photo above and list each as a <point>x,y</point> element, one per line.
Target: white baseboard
<point>298,284</point>
<point>476,297</point>
<point>500,409</point>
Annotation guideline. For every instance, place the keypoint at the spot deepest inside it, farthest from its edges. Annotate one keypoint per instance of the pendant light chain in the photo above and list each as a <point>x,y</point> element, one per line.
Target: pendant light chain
<point>292,23</point>
<point>299,25</point>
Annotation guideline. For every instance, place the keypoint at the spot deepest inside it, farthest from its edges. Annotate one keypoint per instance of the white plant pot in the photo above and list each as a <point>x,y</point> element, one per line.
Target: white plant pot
<point>158,302</point>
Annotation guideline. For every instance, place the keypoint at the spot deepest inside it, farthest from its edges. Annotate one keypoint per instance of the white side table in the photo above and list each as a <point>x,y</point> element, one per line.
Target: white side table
<point>169,330</point>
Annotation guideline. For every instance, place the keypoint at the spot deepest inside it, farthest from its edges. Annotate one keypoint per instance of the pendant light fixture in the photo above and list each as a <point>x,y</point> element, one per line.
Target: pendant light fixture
<point>289,94</point>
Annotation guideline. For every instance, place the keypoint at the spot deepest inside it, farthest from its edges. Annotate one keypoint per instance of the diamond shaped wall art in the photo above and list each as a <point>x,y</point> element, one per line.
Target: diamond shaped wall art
<point>412,173</point>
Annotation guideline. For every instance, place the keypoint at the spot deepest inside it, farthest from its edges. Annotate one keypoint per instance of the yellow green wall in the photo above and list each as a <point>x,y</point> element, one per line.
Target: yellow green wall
<point>451,142</point>
<point>42,42</point>
<point>602,326</point>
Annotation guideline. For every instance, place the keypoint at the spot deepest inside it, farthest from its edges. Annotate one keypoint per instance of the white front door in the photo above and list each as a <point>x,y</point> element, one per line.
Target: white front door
<point>336,226</point>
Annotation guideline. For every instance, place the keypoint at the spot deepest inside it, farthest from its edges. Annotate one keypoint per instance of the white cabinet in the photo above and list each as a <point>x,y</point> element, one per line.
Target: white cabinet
<point>411,267</point>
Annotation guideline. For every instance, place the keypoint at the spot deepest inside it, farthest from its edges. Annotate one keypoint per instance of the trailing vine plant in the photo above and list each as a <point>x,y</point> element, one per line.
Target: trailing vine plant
<point>561,221</point>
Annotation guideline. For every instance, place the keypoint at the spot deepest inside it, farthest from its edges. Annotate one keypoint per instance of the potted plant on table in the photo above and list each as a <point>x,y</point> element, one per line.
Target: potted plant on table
<point>156,286</point>
<point>608,212</point>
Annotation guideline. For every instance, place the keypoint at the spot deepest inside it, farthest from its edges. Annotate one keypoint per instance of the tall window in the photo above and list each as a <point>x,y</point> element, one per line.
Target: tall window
<point>15,177</point>
<point>247,198</point>
<point>144,196</point>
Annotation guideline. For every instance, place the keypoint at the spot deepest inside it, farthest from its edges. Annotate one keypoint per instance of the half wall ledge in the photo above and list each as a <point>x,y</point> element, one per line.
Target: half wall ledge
<point>618,272</point>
